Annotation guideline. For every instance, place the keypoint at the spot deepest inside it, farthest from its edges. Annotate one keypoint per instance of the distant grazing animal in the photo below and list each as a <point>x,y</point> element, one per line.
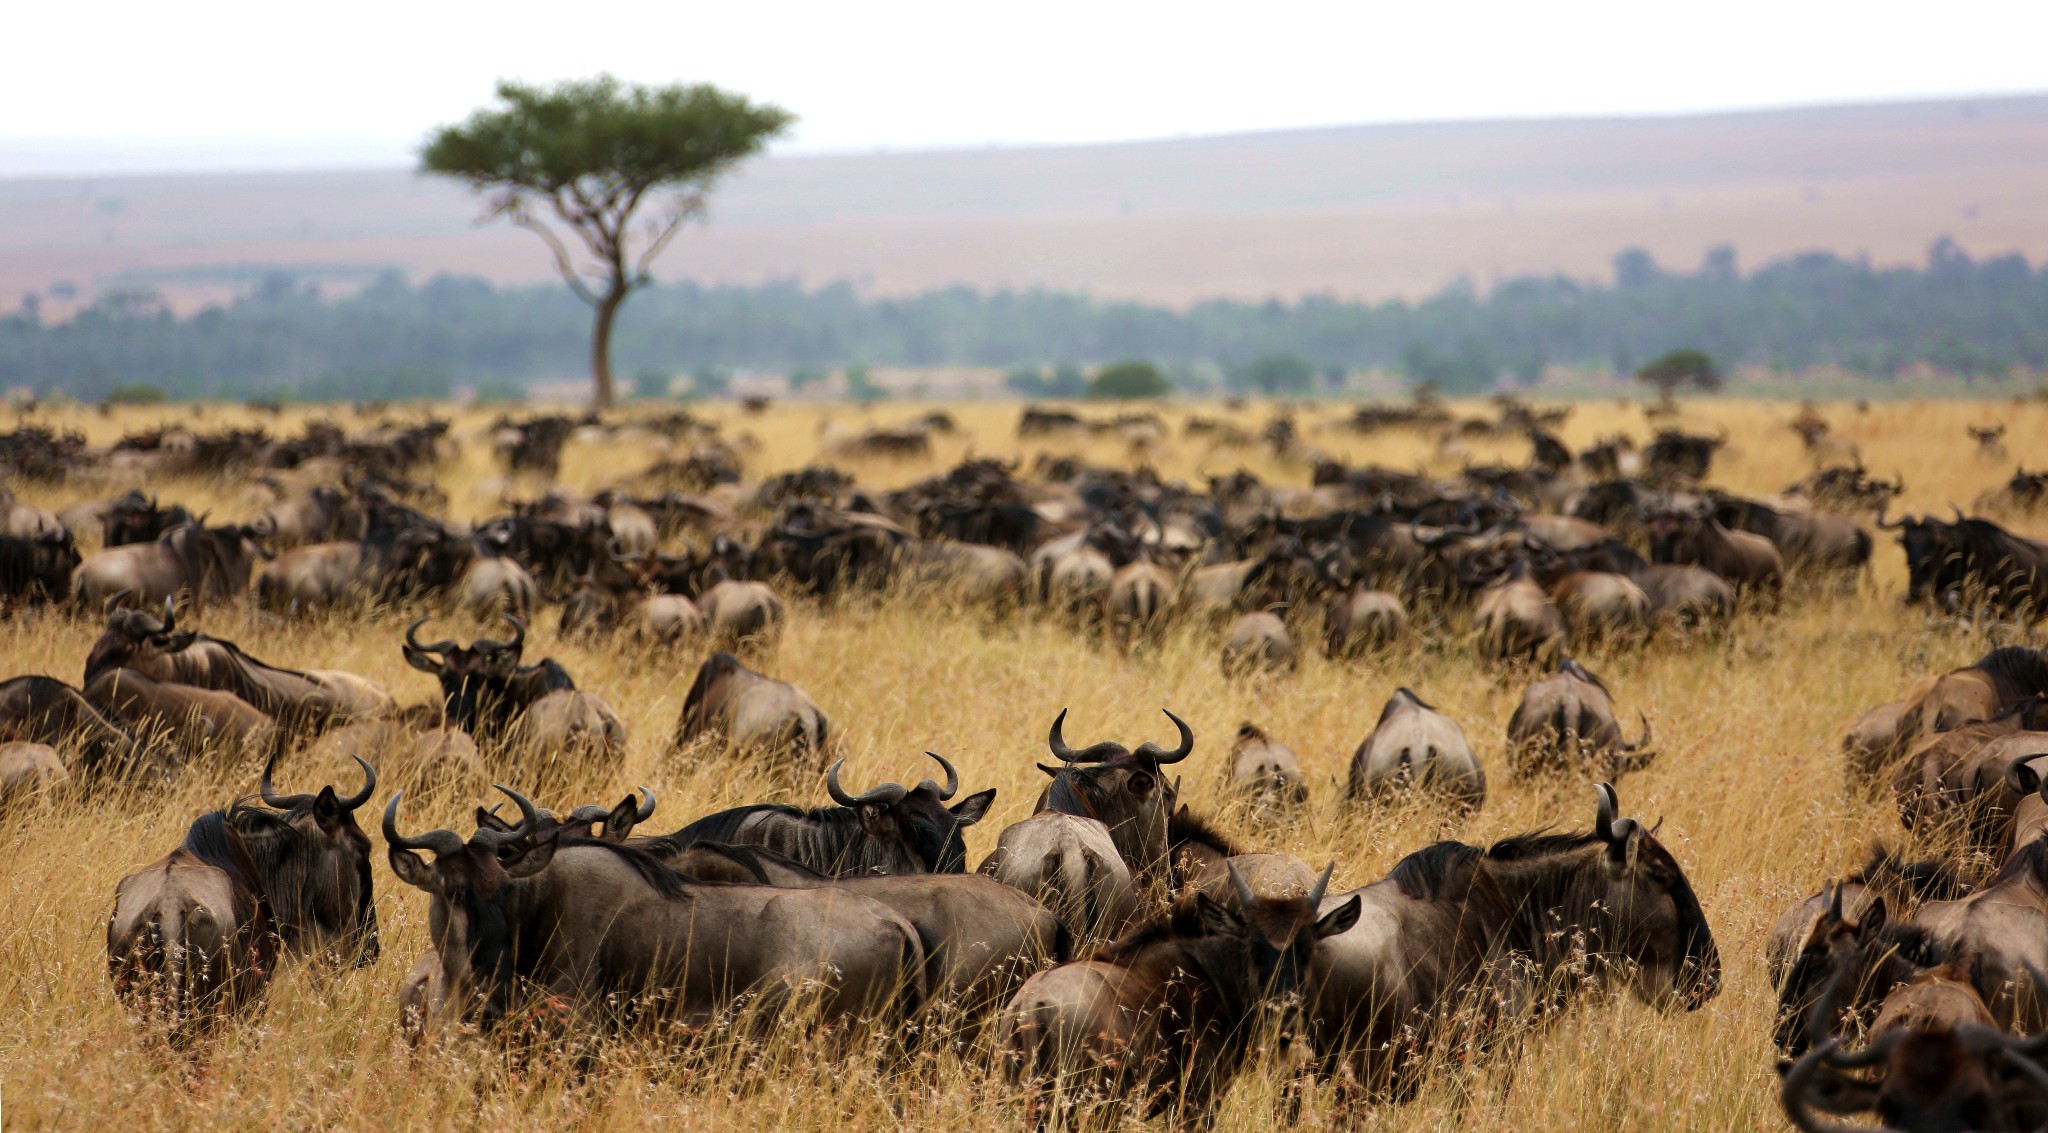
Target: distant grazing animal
<point>1414,747</point>
<point>535,710</point>
<point>1259,643</point>
<point>1071,866</point>
<point>1566,722</point>
<point>754,714</point>
<point>208,564</point>
<point>1264,772</point>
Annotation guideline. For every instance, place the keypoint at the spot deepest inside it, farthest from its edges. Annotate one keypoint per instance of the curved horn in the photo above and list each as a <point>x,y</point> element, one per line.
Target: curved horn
<point>269,793</point>
<point>440,842</point>
<point>886,795</point>
<point>1881,524</point>
<point>412,639</point>
<point>1315,896</point>
<point>529,815</point>
<point>518,634</point>
<point>170,614</point>
<point>1959,514</point>
<point>645,810</point>
<point>1604,811</point>
<point>1834,890</point>
<point>1056,742</point>
<point>952,786</point>
<point>1160,755</point>
<point>1792,1094</point>
<point>1245,897</point>
<point>1644,743</point>
<point>360,797</point>
<point>113,601</point>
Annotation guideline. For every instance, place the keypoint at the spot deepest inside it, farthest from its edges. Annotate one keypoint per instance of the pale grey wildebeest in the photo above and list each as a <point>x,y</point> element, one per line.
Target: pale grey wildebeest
<point>1414,747</point>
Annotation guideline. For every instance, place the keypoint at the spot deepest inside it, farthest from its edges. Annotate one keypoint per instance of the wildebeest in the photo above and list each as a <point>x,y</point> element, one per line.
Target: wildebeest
<point>1565,721</point>
<point>1415,747</point>
<point>2003,571</point>
<point>1676,457</point>
<point>1870,742</point>
<point>1495,930</point>
<point>1166,1016</point>
<point>1137,599</point>
<point>1983,690</point>
<point>890,829</point>
<point>1264,772</point>
<point>45,710</point>
<point>2003,928</point>
<point>197,721</point>
<point>210,564</point>
<point>37,569</point>
<point>1259,643</point>
<point>190,936</point>
<point>323,514</point>
<point>29,771</point>
<point>771,720</point>
<point>136,518</point>
<point>314,863</point>
<point>1120,788</point>
<point>1822,541</point>
<point>533,710</point>
<point>610,932</point>
<point>1515,620</point>
<point>1693,536</point>
<point>1071,866</point>
<point>742,612</point>
<point>1989,440</point>
<point>1360,619</point>
<point>1599,605</point>
<point>496,584</point>
<point>301,701</point>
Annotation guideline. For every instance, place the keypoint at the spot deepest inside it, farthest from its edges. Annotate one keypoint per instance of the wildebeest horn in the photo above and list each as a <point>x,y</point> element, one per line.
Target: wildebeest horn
<point>518,634</point>
<point>1644,743</point>
<point>1881,524</point>
<point>952,786</point>
<point>369,784</point>
<point>440,842</point>
<point>529,815</point>
<point>1800,1077</point>
<point>1315,896</point>
<point>413,640</point>
<point>1056,742</point>
<point>269,793</point>
<point>1245,897</point>
<point>1959,513</point>
<point>1604,811</point>
<point>113,601</point>
<point>888,794</point>
<point>1834,889</point>
<point>645,810</point>
<point>1160,755</point>
<point>170,614</point>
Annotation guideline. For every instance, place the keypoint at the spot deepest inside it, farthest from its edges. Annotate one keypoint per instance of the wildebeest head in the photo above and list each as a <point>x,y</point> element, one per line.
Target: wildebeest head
<point>917,819</point>
<point>136,518</point>
<point>38,567</point>
<point>468,921</point>
<point>315,861</point>
<point>134,637</point>
<point>1279,934</point>
<point>483,681</point>
<point>1880,954</point>
<point>1938,1080</point>
<point>1652,914</point>
<point>1930,547</point>
<point>1118,787</point>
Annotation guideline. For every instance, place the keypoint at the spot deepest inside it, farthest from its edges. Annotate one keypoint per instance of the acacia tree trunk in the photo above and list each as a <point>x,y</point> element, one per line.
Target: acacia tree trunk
<point>601,345</point>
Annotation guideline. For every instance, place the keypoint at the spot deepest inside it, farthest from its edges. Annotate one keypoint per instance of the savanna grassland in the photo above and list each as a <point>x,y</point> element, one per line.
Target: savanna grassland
<point>1749,786</point>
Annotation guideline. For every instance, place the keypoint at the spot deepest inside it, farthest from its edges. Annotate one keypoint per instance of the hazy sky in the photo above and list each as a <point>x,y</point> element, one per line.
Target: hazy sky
<point>128,84</point>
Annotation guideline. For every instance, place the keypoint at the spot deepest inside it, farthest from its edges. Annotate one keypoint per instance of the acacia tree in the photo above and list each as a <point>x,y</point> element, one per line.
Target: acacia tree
<point>587,156</point>
<point>1681,367</point>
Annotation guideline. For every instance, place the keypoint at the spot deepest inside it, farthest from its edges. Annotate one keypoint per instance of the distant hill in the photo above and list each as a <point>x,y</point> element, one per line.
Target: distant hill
<point>1359,212</point>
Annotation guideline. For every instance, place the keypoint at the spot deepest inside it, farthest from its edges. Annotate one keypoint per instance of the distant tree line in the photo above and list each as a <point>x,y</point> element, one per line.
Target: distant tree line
<point>1977,318</point>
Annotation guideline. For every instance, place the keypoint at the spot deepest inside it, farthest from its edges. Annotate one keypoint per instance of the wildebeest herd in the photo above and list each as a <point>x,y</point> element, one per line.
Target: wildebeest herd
<point>1116,950</point>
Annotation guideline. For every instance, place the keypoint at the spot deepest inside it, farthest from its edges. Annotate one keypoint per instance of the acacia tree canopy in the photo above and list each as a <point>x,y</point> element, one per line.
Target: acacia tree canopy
<point>1682,367</point>
<point>586,156</point>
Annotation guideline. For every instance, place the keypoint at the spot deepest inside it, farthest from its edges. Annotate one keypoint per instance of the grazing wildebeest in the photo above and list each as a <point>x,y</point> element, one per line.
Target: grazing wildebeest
<point>1984,690</point>
<point>1515,620</point>
<point>45,710</point>
<point>1496,930</point>
<point>1259,643</point>
<point>196,721</point>
<point>742,612</point>
<point>608,932</point>
<point>1120,788</point>
<point>1070,865</point>
<point>1265,773</point>
<point>37,569</point>
<point>1138,595</point>
<point>1361,619</point>
<point>768,719</point>
<point>496,584</point>
<point>2003,928</point>
<point>211,564</point>
<point>323,514</point>
<point>1163,1019</point>
<point>1566,721</point>
<point>314,863</point>
<point>191,937</point>
<point>1601,605</point>
<point>1823,541</point>
<point>1990,440</point>
<point>302,702</point>
<point>889,830</point>
<point>535,710</point>
<point>1691,535</point>
<point>1415,747</point>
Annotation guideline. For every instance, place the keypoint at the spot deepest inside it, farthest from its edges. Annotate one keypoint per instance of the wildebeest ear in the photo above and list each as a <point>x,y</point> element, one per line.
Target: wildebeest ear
<point>974,807</point>
<point>1341,918</point>
<point>1217,918</point>
<point>529,861</point>
<point>1873,919</point>
<point>620,822</point>
<point>1052,771</point>
<point>489,820</point>
<point>422,660</point>
<point>327,811</point>
<point>413,869</point>
<point>2022,777</point>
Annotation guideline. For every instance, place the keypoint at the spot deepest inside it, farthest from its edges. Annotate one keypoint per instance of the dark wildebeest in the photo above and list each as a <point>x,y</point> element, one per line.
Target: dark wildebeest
<point>1990,440</point>
<point>1120,788</point>
<point>533,710</point>
<point>1265,773</point>
<point>769,719</point>
<point>191,937</point>
<point>212,564</point>
<point>2003,928</point>
<point>889,830</point>
<point>1501,931</point>
<point>2003,571</point>
<point>45,710</point>
<point>1675,457</point>
<point>1415,747</point>
<point>1824,541</point>
<point>37,569</point>
<point>1070,865</point>
<point>1163,1019</point>
<point>1934,558</point>
<point>136,518</point>
<point>1984,690</point>
<point>302,702</point>
<point>608,931</point>
<point>1566,721</point>
<point>314,862</point>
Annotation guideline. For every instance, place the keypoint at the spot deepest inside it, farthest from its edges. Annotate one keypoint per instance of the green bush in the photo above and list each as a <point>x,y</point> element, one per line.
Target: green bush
<point>136,393</point>
<point>1126,381</point>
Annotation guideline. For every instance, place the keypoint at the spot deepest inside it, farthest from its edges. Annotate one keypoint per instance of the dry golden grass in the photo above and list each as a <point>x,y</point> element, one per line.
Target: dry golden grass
<point>1749,787</point>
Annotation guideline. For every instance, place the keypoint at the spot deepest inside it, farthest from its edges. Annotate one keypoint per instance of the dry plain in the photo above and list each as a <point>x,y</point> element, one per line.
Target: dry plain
<point>1748,784</point>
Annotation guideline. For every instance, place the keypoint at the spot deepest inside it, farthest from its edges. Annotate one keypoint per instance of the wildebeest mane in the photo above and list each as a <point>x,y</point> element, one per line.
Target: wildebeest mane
<point>724,827</point>
<point>214,840</point>
<point>2027,860</point>
<point>2017,669</point>
<point>1182,921</point>
<point>1188,827</point>
<point>1537,844</point>
<point>1422,875</point>
<point>1929,880</point>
